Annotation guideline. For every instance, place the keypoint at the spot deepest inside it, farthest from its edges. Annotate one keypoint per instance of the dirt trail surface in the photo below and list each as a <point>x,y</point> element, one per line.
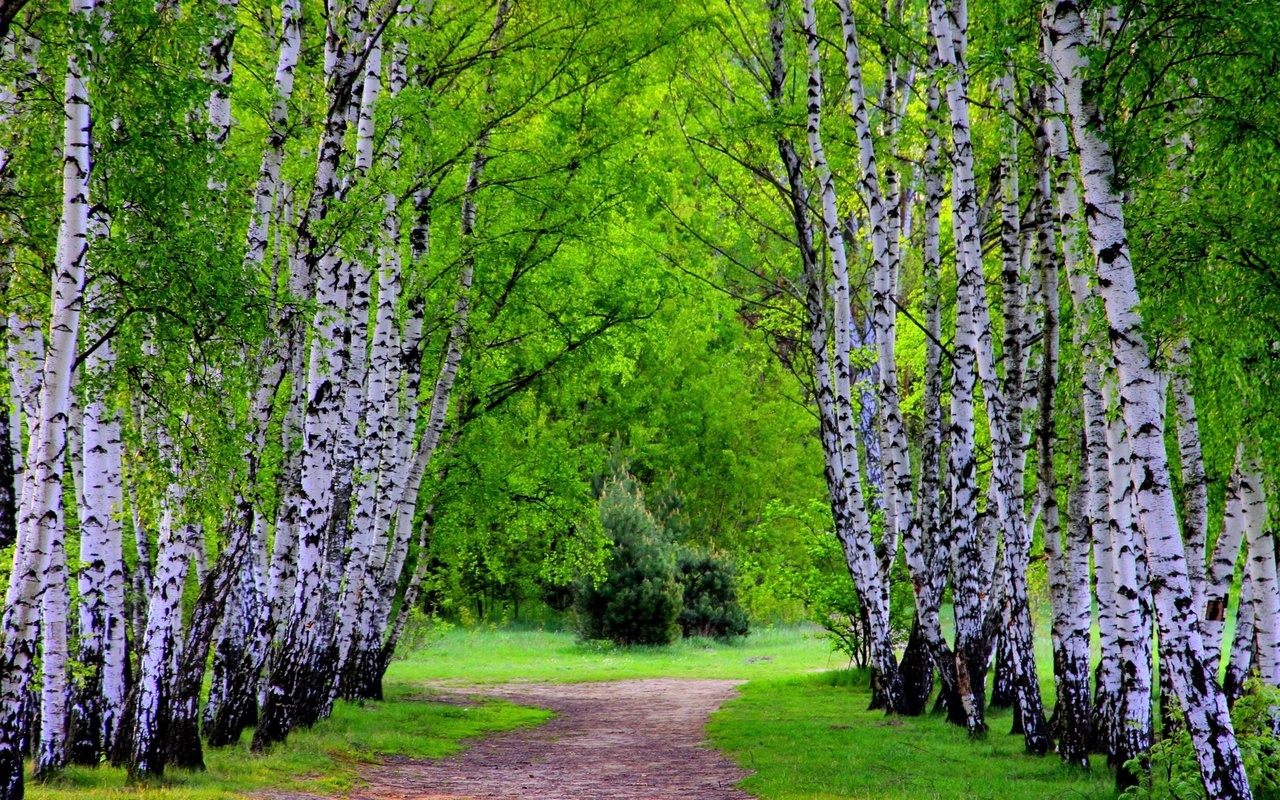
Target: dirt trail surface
<point>611,740</point>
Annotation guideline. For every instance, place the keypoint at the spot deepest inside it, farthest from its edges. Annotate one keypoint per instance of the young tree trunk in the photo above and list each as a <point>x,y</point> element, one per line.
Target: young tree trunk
<point>1133,723</point>
<point>51,751</point>
<point>1262,576</point>
<point>414,586</point>
<point>10,445</point>
<point>366,400</point>
<point>381,412</point>
<point>1069,562</point>
<point>971,582</point>
<point>1222,566</point>
<point>1195,485</point>
<point>1094,469</point>
<point>296,667</point>
<point>1004,416</point>
<point>41,524</point>
<point>872,580</point>
<point>1242,647</point>
<point>1181,646</point>
<point>183,749</point>
<point>933,561</point>
<point>100,693</point>
<point>161,640</point>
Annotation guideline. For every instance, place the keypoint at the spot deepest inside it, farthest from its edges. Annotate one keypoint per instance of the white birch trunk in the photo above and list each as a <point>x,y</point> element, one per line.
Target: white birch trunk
<point>1222,565</point>
<point>1069,561</point>
<point>859,547</point>
<point>972,580</point>
<point>296,688</point>
<point>1182,648</point>
<point>365,380</point>
<point>1262,576</point>
<point>1133,626</point>
<point>269,172</point>
<point>158,649</point>
<point>51,750</point>
<point>1240,664</point>
<point>100,701</point>
<point>218,64</point>
<point>1195,485</point>
<point>41,524</point>
<point>406,502</point>
<point>359,593</point>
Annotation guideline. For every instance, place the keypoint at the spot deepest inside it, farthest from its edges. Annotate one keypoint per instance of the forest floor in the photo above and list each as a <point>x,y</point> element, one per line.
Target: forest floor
<point>610,740</point>
<point>486,713</point>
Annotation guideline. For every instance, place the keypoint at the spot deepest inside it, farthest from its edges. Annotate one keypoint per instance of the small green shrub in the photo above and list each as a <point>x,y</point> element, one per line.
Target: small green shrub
<point>421,631</point>
<point>640,597</point>
<point>836,606</point>
<point>1169,770</point>
<point>711,606</point>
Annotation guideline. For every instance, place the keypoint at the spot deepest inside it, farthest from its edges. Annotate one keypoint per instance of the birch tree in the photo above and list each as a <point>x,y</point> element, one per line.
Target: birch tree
<point>1181,646</point>
<point>41,524</point>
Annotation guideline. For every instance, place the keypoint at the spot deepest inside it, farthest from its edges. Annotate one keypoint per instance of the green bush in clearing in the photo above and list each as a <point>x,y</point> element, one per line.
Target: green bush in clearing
<point>711,606</point>
<point>640,598</point>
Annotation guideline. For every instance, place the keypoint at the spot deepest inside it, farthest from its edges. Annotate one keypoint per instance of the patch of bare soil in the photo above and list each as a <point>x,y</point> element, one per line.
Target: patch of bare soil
<point>611,740</point>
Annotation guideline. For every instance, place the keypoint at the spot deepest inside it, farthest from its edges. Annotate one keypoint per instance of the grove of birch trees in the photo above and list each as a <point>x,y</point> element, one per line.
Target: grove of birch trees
<point>321,311</point>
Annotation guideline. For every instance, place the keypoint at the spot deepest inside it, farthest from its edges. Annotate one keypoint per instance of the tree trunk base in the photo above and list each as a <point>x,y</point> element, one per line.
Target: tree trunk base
<point>916,670</point>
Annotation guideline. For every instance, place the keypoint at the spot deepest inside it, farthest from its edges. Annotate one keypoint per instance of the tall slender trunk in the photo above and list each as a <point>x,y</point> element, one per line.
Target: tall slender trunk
<point>100,693</point>
<point>872,579</point>
<point>380,407</point>
<point>162,638</point>
<point>183,747</point>
<point>1181,646</point>
<point>243,644</point>
<point>10,444</point>
<point>1195,485</point>
<point>41,525</point>
<point>1242,646</point>
<point>51,750</point>
<point>1222,566</point>
<point>1004,411</point>
<point>972,580</point>
<point>290,697</point>
<point>1133,722</point>
<point>1263,580</point>
<point>1069,562</point>
<point>933,560</point>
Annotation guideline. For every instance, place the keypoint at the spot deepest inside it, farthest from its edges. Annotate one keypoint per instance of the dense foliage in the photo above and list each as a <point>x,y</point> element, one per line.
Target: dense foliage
<point>711,606</point>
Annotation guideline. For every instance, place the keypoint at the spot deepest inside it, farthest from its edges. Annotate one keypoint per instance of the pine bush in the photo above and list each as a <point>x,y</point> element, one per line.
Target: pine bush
<point>640,598</point>
<point>711,606</point>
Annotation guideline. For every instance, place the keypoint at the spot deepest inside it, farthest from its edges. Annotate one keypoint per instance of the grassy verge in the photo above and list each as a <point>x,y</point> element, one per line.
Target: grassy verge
<point>804,731</point>
<point>486,655</point>
<point>324,760</point>
<point>811,737</point>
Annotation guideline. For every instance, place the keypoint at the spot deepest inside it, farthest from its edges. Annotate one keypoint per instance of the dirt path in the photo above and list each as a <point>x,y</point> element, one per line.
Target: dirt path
<point>613,740</point>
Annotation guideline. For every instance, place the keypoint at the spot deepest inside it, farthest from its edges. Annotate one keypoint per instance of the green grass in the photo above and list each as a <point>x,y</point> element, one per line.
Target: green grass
<point>487,655</point>
<point>325,760</point>
<point>811,737</point>
<point>801,725</point>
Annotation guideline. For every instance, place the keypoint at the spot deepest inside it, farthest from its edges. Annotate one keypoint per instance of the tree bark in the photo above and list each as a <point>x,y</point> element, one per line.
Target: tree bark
<point>1195,484</point>
<point>41,523</point>
<point>1263,581</point>
<point>859,547</point>
<point>1182,649</point>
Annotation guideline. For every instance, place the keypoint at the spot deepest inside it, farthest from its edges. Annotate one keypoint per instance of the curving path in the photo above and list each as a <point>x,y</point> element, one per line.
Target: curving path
<point>611,740</point>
